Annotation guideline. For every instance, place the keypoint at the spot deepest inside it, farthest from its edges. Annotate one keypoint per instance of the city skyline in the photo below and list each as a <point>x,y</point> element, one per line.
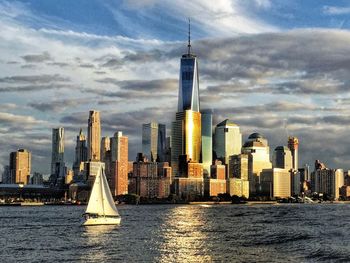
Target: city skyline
<point>267,79</point>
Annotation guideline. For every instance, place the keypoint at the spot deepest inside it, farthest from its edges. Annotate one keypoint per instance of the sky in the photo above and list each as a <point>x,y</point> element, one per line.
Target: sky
<point>280,68</point>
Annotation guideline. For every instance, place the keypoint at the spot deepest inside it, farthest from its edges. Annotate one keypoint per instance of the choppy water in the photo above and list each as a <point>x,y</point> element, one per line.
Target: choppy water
<point>181,233</point>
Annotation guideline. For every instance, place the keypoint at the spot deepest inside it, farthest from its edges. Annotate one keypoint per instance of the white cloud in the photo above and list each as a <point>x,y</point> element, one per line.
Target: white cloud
<point>336,10</point>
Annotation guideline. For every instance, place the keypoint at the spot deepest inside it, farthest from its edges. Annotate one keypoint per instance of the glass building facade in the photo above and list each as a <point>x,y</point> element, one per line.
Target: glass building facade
<point>154,141</point>
<point>188,84</point>
<point>207,140</point>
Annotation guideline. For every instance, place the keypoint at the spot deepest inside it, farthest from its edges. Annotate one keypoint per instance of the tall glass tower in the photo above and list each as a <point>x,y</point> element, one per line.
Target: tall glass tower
<point>189,81</point>
<point>186,129</point>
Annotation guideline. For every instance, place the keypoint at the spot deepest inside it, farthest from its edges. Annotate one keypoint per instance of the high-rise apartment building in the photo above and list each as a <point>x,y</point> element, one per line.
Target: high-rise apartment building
<point>119,164</point>
<point>327,181</point>
<point>57,157</point>
<point>20,166</point>
<point>94,136</point>
<point>154,141</point>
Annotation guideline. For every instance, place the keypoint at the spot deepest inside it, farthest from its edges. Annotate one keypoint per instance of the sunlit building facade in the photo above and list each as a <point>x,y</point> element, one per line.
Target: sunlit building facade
<point>227,140</point>
<point>259,158</point>
<point>119,164</point>
<point>20,166</point>
<point>328,182</point>
<point>186,137</point>
<point>276,183</point>
<point>293,145</point>
<point>94,136</point>
<point>207,140</point>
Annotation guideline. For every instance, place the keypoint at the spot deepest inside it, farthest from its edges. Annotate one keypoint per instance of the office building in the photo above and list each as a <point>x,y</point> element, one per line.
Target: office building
<point>186,132</point>
<point>105,147</point>
<point>94,136</point>
<point>258,151</point>
<point>239,166</point>
<point>20,166</point>
<point>275,183</point>
<point>6,175</point>
<point>293,145</point>
<point>80,154</point>
<point>282,158</point>
<point>227,140</point>
<point>207,141</point>
<point>237,182</point>
<point>37,179</point>
<point>154,141</point>
<point>57,157</point>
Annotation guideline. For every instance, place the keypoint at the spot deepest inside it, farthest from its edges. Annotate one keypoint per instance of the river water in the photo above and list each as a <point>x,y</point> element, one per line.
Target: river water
<point>179,233</point>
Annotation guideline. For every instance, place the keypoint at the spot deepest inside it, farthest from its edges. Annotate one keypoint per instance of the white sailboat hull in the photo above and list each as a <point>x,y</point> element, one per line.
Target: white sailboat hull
<point>102,221</point>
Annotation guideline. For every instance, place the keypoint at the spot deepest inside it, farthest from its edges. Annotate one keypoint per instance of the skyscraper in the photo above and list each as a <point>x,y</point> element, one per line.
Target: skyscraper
<point>293,144</point>
<point>94,136</point>
<point>207,141</point>
<point>259,158</point>
<point>119,168</point>
<point>186,134</point>
<point>20,166</point>
<point>227,140</point>
<point>186,129</point>
<point>57,158</point>
<point>80,153</point>
<point>282,158</point>
<point>189,81</point>
<point>154,141</point>
<point>105,147</point>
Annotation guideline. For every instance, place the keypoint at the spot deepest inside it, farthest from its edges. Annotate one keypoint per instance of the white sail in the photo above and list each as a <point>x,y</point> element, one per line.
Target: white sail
<point>95,200</point>
<point>108,202</point>
<point>101,201</point>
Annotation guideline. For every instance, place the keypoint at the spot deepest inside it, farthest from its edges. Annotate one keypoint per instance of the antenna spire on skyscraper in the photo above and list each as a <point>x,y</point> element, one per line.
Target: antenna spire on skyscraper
<point>189,36</point>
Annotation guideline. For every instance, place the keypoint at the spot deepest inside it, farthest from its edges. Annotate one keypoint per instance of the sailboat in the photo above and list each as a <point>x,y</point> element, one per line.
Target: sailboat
<point>101,209</point>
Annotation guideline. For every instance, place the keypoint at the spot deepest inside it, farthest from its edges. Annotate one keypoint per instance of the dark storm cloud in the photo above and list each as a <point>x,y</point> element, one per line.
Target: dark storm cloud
<point>37,58</point>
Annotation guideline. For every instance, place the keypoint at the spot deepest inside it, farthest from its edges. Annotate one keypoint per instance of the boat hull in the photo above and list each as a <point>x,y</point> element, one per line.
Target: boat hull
<point>102,221</point>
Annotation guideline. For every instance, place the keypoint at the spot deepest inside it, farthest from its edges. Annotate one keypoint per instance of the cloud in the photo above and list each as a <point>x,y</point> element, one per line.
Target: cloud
<point>156,85</point>
<point>59,105</point>
<point>336,10</point>
<point>34,79</point>
<point>37,58</point>
<point>9,119</point>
